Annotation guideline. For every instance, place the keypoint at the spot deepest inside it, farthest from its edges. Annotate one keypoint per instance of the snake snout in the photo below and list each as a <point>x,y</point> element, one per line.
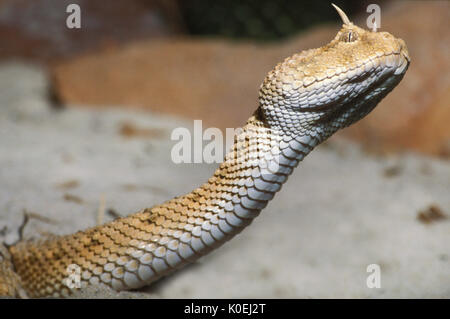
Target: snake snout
<point>405,59</point>
<point>404,50</point>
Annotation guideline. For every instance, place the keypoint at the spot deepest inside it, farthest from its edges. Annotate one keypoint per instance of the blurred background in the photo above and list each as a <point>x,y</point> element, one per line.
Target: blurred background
<point>86,116</point>
<point>205,59</point>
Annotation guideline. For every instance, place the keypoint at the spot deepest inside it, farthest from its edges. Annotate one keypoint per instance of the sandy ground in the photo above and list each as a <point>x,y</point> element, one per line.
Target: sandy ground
<point>341,211</point>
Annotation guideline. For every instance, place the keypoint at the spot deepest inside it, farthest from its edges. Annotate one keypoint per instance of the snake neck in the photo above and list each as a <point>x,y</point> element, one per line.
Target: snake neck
<point>258,164</point>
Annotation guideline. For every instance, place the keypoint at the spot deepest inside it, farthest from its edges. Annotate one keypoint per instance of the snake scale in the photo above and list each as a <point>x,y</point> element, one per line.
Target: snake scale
<point>302,102</point>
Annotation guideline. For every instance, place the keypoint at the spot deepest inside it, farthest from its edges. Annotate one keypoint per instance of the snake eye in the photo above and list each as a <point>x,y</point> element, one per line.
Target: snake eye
<point>349,36</point>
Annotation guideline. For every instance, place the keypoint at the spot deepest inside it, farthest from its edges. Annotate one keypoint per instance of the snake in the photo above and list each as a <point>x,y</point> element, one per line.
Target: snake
<point>302,102</point>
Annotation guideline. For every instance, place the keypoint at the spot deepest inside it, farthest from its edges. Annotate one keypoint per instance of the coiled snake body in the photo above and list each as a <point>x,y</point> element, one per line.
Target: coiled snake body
<point>302,102</point>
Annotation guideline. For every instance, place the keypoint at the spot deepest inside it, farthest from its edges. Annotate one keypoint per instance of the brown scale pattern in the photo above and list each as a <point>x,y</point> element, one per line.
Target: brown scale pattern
<point>116,242</point>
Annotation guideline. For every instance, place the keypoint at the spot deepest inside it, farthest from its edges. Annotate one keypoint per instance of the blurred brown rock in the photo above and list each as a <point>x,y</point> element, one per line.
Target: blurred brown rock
<point>218,81</point>
<point>210,80</point>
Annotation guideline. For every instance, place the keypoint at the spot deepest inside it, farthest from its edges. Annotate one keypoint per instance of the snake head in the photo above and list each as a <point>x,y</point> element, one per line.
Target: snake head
<point>321,90</point>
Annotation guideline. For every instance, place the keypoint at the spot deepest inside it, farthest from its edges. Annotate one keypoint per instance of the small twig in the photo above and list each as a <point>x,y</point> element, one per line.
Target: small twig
<point>101,210</point>
<point>113,213</point>
<point>41,218</point>
<point>25,220</point>
<point>73,198</point>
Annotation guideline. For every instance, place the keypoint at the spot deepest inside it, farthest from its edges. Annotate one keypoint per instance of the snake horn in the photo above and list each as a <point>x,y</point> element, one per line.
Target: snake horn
<point>342,14</point>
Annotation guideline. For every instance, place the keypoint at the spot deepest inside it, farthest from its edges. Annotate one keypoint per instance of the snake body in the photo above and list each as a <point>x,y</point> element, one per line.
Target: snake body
<point>302,102</point>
